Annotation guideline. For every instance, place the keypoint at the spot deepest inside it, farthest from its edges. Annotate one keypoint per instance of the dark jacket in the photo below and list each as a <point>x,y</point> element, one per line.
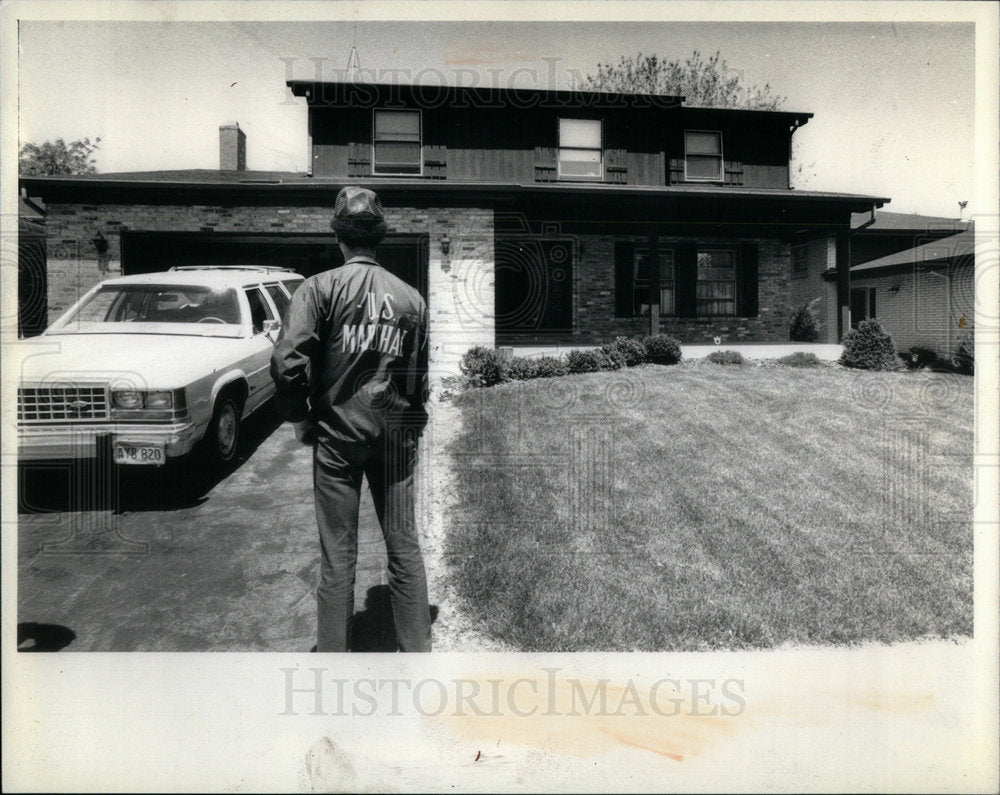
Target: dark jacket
<point>352,353</point>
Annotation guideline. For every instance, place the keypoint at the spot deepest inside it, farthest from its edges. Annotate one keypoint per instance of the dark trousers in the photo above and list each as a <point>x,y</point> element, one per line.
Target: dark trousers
<point>388,467</point>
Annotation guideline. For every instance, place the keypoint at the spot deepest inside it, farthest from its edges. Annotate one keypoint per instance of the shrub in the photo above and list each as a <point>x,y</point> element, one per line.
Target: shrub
<point>662,349</point>
<point>726,357</point>
<point>800,359</point>
<point>631,350</point>
<point>521,368</point>
<point>869,347</point>
<point>613,358</point>
<point>585,361</point>
<point>805,326</point>
<point>549,367</point>
<point>964,360</point>
<point>483,366</point>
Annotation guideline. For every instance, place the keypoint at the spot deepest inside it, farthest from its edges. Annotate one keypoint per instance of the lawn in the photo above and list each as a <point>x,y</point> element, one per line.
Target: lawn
<point>705,506</point>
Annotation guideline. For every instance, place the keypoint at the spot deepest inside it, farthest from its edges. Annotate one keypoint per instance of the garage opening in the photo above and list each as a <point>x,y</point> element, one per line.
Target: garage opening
<point>406,256</point>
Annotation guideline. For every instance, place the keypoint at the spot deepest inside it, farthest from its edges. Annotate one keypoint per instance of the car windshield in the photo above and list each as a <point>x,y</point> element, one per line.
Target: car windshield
<point>156,303</point>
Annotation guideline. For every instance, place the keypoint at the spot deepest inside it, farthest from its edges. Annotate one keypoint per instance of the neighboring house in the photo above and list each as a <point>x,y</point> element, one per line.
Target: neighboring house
<point>923,294</point>
<point>526,217</point>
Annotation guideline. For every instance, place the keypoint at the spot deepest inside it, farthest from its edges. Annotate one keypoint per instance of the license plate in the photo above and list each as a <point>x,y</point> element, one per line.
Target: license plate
<point>151,454</point>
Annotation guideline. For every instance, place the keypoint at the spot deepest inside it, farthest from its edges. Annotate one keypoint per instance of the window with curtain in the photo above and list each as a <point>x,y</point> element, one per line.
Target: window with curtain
<point>703,155</point>
<point>397,142</point>
<point>640,283</point>
<point>580,149</point>
<point>716,291</point>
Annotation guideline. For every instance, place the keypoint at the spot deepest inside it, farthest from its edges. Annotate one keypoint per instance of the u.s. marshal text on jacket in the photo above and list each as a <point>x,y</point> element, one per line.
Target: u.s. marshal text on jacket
<point>352,353</point>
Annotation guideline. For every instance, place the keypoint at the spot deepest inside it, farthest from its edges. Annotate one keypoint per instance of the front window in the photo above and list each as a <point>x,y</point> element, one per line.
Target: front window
<point>259,310</point>
<point>640,283</point>
<point>397,142</point>
<point>703,155</point>
<point>142,307</point>
<point>716,282</point>
<point>580,149</point>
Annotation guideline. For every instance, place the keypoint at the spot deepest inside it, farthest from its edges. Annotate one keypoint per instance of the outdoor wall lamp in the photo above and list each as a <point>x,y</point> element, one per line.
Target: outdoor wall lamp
<point>445,251</point>
<point>895,288</point>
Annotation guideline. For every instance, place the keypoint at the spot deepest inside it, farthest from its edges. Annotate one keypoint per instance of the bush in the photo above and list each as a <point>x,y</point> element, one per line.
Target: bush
<point>483,366</point>
<point>585,361</point>
<point>964,360</point>
<point>549,367</point>
<point>662,349</point>
<point>799,359</point>
<point>613,358</point>
<point>631,351</point>
<point>805,326</point>
<point>869,347</point>
<point>726,357</point>
<point>521,368</point>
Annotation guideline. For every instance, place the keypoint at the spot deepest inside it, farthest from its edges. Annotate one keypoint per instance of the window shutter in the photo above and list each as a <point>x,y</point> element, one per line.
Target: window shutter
<point>748,278</point>
<point>616,165</point>
<point>733,172</point>
<point>545,164</point>
<point>624,255</point>
<point>436,162</point>
<point>359,159</point>
<point>686,279</point>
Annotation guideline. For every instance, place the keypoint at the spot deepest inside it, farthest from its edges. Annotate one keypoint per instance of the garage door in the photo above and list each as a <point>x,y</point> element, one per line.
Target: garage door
<point>149,252</point>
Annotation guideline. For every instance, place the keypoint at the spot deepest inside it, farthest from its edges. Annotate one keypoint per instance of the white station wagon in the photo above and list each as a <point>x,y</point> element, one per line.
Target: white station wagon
<point>143,368</point>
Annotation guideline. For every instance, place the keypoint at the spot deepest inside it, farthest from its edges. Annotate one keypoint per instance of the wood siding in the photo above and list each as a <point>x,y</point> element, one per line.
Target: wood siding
<point>641,146</point>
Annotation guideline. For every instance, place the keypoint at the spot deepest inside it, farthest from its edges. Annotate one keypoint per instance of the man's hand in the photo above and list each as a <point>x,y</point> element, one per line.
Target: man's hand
<point>304,432</point>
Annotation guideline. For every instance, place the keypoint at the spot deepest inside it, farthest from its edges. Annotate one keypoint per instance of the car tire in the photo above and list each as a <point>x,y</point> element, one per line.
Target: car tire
<point>222,440</point>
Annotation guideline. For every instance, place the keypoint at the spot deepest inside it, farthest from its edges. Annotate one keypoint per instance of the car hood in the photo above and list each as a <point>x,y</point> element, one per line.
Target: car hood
<point>151,361</point>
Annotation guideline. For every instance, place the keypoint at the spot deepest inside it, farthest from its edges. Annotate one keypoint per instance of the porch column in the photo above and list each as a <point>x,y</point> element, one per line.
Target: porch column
<point>653,263</point>
<point>843,281</point>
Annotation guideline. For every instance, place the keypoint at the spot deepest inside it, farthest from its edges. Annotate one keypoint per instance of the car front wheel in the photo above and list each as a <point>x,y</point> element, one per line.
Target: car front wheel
<point>223,438</point>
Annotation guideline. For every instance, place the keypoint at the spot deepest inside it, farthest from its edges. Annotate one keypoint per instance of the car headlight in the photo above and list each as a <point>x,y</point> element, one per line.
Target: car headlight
<point>127,399</point>
<point>159,400</point>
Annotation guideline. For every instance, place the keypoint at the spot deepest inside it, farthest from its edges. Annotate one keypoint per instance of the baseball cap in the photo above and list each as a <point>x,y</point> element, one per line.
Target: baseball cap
<point>355,203</point>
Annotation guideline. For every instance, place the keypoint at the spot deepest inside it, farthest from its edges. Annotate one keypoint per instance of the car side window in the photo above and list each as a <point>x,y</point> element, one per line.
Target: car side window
<point>259,310</point>
<point>292,285</point>
<point>279,298</point>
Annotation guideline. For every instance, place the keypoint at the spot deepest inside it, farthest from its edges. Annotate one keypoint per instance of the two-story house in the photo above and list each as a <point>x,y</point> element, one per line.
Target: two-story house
<point>528,218</point>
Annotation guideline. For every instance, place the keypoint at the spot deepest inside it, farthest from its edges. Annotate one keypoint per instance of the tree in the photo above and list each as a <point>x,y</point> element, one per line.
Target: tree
<point>705,83</point>
<point>58,157</point>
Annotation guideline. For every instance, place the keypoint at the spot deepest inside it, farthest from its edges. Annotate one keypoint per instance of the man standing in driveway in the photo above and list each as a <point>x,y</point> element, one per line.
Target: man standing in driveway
<point>350,367</point>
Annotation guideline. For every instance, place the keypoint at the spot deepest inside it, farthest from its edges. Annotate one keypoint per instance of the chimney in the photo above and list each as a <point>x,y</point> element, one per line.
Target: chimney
<point>232,148</point>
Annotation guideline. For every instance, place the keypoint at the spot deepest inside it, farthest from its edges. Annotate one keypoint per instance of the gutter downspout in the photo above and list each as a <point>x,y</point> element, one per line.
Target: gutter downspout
<point>845,310</point>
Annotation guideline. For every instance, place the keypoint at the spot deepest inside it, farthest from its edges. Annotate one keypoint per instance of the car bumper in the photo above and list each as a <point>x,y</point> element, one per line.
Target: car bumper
<point>88,441</point>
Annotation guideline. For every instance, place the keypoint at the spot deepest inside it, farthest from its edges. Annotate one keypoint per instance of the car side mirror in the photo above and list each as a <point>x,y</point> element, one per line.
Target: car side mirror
<point>271,325</point>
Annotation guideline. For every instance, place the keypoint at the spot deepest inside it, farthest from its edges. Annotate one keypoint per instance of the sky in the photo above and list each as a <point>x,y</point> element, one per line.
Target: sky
<point>893,102</point>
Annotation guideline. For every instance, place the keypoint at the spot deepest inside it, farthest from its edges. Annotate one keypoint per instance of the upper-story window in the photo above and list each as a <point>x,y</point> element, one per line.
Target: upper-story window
<point>703,155</point>
<point>580,149</point>
<point>397,142</point>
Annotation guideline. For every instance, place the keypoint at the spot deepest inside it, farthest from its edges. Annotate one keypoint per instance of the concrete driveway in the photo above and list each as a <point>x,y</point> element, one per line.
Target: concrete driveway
<point>161,562</point>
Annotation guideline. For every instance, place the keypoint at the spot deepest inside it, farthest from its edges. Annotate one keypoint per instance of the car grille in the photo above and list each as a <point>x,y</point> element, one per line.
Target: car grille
<point>63,403</point>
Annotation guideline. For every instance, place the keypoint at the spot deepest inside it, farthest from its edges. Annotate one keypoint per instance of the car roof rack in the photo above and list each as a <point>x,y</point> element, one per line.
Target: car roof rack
<point>258,268</point>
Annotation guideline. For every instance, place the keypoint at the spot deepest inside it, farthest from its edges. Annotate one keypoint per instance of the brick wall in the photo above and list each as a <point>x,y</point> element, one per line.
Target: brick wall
<point>460,292</point>
<point>920,312</point>
<point>594,291</point>
<point>820,255</point>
